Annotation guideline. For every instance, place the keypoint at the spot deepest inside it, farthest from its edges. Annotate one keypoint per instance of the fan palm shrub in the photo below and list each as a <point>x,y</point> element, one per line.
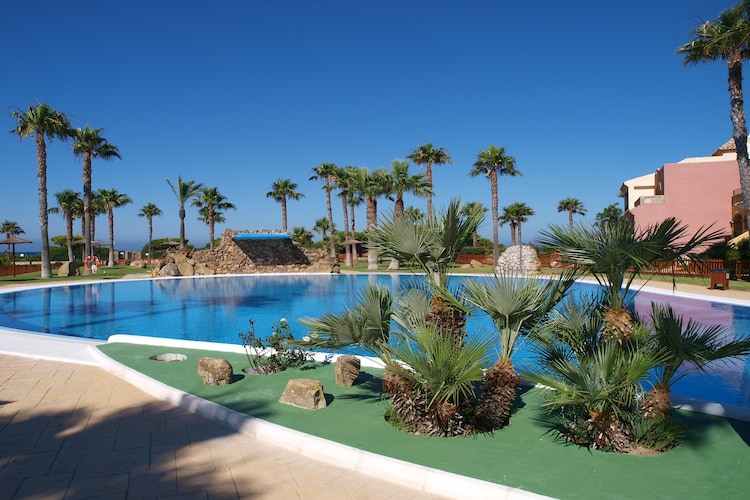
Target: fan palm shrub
<point>615,254</point>
<point>515,304</point>
<point>688,347</point>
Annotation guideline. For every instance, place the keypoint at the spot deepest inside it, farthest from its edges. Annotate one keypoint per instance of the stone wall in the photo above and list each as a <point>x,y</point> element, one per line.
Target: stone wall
<point>247,256</point>
<point>518,258</point>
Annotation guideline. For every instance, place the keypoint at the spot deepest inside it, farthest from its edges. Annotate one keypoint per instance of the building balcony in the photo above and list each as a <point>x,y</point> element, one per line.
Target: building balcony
<point>650,200</point>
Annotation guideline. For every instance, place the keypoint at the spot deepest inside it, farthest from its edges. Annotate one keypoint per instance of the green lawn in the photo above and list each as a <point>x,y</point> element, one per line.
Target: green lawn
<point>104,273</point>
<point>711,463</point>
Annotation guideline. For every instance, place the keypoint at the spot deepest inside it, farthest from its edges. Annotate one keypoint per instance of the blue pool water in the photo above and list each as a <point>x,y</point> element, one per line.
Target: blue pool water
<point>216,309</point>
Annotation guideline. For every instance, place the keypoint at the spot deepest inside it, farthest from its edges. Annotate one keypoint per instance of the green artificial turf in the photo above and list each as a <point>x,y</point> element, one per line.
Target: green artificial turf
<point>711,463</point>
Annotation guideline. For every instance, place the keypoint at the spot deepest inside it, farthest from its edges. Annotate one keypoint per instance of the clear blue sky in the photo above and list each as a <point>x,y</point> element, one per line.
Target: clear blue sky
<point>235,94</point>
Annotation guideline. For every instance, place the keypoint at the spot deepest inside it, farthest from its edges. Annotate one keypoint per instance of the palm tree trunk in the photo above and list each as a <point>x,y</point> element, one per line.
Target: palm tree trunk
<point>182,226</point>
<point>355,257</point>
<point>372,218</point>
<point>347,247</point>
<point>88,210</point>
<point>69,236</point>
<point>330,221</point>
<point>283,214</point>
<point>111,220</point>
<point>429,193</point>
<point>739,127</point>
<point>495,216</point>
<point>41,177</point>
<point>150,237</point>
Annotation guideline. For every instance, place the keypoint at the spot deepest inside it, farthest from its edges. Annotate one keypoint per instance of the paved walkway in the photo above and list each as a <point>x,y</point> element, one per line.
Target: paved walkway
<point>71,430</point>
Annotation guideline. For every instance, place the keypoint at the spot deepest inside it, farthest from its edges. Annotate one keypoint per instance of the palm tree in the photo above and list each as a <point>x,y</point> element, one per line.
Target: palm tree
<point>149,211</point>
<point>67,205</point>
<point>42,122</point>
<point>519,213</point>
<point>184,192</point>
<point>468,208</point>
<point>728,38</point>
<point>572,206</point>
<point>510,219</point>
<point>428,156</point>
<point>89,144</point>
<point>401,182</point>
<point>327,172</point>
<point>321,227</point>
<point>615,254</point>
<point>433,246</point>
<point>302,236</point>
<point>211,205</point>
<point>10,228</point>
<point>372,185</point>
<point>491,163</point>
<point>610,213</point>
<point>112,199</point>
<point>690,346</point>
<point>514,304</point>
<point>281,190</point>
<point>342,182</point>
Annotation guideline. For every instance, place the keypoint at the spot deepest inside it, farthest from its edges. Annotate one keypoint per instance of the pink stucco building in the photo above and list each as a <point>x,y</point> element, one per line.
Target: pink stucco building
<point>698,192</point>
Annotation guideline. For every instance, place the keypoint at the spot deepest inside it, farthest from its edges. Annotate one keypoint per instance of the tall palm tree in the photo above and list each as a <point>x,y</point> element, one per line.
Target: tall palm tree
<point>112,199</point>
<point>428,156</point>
<point>67,205</point>
<point>42,122</point>
<point>321,227</point>
<point>343,182</point>
<point>491,163</point>
<point>184,192</point>
<point>728,39</point>
<point>211,204</point>
<point>10,228</point>
<point>519,213</point>
<point>401,182</point>
<point>89,143</point>
<point>149,211</point>
<point>327,172</point>
<point>572,206</point>
<point>281,190</point>
<point>510,219</point>
<point>615,255</point>
<point>469,207</point>
<point>372,185</point>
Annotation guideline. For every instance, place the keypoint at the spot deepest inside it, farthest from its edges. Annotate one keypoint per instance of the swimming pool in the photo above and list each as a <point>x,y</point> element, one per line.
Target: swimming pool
<point>217,308</point>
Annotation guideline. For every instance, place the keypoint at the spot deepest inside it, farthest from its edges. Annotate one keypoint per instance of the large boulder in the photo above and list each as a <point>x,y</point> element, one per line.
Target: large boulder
<point>169,269</point>
<point>304,393</point>
<point>347,369</point>
<point>215,371</point>
<point>68,268</point>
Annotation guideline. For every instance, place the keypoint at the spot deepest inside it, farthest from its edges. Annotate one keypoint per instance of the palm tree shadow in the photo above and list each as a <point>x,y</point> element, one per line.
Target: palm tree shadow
<point>136,441</point>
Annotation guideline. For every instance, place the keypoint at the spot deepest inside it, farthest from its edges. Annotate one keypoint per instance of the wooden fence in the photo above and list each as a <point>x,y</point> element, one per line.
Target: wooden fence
<point>21,268</point>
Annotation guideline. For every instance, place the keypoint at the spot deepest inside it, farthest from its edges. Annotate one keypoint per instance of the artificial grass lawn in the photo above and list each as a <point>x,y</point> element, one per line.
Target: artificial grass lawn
<point>710,463</point>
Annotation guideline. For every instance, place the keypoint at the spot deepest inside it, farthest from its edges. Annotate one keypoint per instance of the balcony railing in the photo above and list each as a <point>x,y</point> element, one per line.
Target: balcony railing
<point>650,200</point>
